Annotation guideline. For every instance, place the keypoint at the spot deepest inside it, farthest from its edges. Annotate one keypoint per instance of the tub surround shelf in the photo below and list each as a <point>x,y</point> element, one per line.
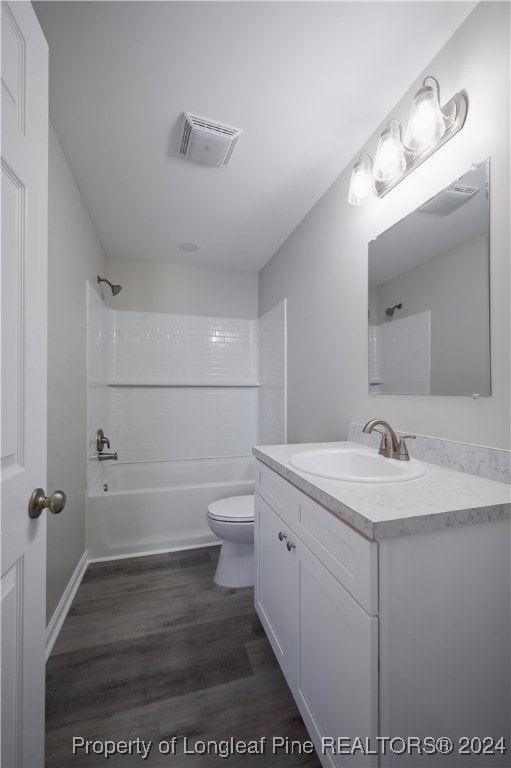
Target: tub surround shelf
<point>176,383</point>
<point>441,498</point>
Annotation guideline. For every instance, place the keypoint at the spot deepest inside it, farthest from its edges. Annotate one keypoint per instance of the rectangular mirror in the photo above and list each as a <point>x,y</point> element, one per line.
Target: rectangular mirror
<point>429,295</point>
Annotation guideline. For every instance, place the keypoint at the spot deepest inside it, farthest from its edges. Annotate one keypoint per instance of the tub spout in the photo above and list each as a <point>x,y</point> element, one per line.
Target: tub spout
<point>107,456</point>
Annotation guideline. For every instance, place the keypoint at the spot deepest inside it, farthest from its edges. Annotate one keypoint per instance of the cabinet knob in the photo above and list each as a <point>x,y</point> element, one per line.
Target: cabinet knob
<point>290,546</point>
<point>282,536</point>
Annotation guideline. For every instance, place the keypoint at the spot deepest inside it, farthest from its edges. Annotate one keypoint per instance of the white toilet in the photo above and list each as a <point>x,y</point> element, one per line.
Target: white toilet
<point>232,520</point>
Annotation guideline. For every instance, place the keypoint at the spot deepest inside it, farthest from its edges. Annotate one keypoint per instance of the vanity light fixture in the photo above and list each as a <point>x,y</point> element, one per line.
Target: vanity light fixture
<point>426,124</point>
<point>362,187</point>
<point>390,160</point>
<point>429,127</point>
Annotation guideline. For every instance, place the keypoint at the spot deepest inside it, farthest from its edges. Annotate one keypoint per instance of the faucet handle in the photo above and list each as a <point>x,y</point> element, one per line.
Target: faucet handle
<point>101,440</point>
<point>402,450</point>
<point>385,448</point>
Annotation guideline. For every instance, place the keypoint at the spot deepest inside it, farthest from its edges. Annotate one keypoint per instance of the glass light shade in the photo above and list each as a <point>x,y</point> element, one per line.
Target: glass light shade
<point>426,124</point>
<point>390,161</point>
<point>362,187</point>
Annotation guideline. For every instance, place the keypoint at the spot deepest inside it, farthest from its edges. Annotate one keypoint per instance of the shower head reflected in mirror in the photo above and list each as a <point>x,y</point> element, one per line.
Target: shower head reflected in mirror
<point>390,311</point>
<point>114,288</point>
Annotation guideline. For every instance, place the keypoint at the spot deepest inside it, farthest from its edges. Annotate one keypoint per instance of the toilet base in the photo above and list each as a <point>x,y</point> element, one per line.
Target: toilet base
<point>235,566</point>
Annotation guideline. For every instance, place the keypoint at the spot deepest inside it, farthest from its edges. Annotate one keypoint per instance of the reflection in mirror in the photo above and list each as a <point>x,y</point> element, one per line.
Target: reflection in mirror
<point>429,313</point>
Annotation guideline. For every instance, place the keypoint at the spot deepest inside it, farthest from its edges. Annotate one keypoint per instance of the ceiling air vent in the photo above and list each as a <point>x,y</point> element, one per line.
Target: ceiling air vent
<point>206,142</point>
<point>448,199</point>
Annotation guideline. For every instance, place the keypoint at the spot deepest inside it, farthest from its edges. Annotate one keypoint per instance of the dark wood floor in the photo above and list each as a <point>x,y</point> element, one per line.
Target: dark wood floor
<point>153,650</point>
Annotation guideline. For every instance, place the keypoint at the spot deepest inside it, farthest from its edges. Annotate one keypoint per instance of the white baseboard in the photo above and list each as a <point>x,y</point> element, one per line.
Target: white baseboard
<point>62,609</point>
<point>147,553</point>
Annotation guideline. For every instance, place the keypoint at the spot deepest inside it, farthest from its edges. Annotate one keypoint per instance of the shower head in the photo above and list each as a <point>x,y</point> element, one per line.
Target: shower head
<point>114,288</point>
<point>390,310</point>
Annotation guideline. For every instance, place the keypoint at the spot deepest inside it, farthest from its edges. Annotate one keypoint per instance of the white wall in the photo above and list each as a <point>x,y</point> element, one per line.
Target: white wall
<point>152,286</point>
<point>322,268</point>
<point>75,255</point>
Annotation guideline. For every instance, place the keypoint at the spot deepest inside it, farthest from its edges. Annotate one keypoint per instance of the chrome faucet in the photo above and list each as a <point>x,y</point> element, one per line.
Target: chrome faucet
<point>101,441</point>
<point>390,446</point>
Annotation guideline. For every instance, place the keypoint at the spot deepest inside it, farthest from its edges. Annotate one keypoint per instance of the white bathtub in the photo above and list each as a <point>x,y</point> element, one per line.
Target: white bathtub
<point>160,506</point>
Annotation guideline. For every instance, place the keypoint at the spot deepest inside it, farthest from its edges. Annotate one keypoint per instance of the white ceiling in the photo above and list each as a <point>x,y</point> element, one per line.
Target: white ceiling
<point>307,82</point>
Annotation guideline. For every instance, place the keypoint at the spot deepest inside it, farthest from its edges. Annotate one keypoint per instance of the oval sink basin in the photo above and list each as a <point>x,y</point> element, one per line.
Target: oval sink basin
<point>356,466</point>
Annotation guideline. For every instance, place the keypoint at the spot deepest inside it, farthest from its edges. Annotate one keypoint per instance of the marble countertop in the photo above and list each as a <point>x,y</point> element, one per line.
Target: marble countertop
<point>440,498</point>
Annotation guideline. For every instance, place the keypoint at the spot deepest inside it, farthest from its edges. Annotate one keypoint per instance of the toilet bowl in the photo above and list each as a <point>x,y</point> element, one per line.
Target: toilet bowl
<point>232,520</point>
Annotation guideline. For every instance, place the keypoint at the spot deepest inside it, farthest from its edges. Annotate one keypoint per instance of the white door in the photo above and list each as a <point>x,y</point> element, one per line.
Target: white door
<point>24,77</point>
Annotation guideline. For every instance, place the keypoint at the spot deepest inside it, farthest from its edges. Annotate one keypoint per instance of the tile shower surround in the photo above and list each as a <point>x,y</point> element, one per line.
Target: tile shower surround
<point>163,348</point>
<point>167,423</point>
<point>161,422</point>
<point>400,355</point>
<point>271,366</point>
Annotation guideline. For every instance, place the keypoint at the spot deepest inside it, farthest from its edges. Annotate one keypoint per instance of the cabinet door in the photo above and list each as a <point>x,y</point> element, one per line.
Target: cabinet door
<point>272,579</point>
<point>334,660</point>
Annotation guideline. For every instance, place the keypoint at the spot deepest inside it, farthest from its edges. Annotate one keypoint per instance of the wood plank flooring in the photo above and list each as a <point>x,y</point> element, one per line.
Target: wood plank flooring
<point>153,650</point>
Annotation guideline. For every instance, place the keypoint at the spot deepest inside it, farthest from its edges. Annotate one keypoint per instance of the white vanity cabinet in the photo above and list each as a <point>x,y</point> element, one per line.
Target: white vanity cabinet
<point>325,640</point>
<point>405,638</point>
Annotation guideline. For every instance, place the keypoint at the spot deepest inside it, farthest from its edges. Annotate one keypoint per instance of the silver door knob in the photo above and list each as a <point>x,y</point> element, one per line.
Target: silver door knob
<point>38,501</point>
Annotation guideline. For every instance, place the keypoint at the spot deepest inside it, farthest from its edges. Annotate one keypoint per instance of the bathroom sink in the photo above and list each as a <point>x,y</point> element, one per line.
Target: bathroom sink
<point>356,465</point>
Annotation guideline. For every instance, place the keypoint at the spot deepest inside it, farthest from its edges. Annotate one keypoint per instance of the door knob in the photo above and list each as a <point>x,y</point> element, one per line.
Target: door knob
<point>38,501</point>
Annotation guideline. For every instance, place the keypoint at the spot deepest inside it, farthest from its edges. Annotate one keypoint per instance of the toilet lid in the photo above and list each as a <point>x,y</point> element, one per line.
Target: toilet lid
<point>235,508</point>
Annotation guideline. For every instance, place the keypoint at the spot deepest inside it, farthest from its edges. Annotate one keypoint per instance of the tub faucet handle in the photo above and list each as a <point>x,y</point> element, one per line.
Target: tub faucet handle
<point>101,440</point>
